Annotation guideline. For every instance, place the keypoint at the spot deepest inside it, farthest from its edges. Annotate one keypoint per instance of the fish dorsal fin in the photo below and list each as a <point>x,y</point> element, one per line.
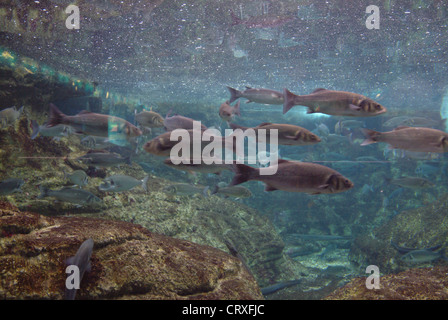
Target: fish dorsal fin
<point>84,112</point>
<point>401,128</point>
<point>248,88</point>
<point>319,89</point>
<point>264,124</point>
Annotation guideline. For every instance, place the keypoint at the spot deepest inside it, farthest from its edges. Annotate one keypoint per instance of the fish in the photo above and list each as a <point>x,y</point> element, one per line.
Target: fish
<point>101,158</point>
<point>320,237</point>
<point>279,286</point>
<point>403,250</point>
<point>422,256</point>
<point>72,195</point>
<point>288,134</point>
<point>412,182</point>
<point>78,177</point>
<point>294,176</point>
<point>336,103</point>
<point>261,95</point>
<point>186,189</point>
<point>9,116</point>
<point>95,142</point>
<point>82,260</point>
<point>179,122</point>
<point>9,186</point>
<point>417,139</point>
<point>322,130</point>
<point>238,192</point>
<point>427,170</point>
<point>149,119</point>
<point>118,183</point>
<point>203,167</point>
<point>57,131</point>
<point>263,21</point>
<point>95,124</point>
<point>227,112</point>
<point>422,122</point>
<point>394,122</point>
<point>235,252</point>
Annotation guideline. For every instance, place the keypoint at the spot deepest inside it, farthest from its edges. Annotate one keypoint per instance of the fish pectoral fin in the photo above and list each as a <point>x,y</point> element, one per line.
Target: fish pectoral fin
<point>323,186</point>
<point>354,107</point>
<point>269,188</point>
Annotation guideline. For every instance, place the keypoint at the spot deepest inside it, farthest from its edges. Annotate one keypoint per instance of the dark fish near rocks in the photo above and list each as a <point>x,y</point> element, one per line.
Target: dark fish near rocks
<point>9,186</point>
<point>94,124</point>
<point>410,138</point>
<point>82,260</point>
<point>179,122</point>
<point>97,158</point>
<point>279,286</point>
<point>202,167</point>
<point>95,142</point>
<point>403,250</point>
<point>78,177</point>
<point>295,176</point>
<point>288,134</point>
<point>238,192</point>
<point>227,112</point>
<point>149,119</point>
<point>265,96</point>
<point>186,189</point>
<point>412,182</point>
<point>336,103</point>
<point>119,183</point>
<point>9,116</point>
<point>72,195</point>
<point>422,256</point>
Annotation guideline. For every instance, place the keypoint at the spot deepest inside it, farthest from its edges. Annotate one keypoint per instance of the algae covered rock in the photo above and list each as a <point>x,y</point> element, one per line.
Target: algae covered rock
<point>413,284</point>
<point>128,261</point>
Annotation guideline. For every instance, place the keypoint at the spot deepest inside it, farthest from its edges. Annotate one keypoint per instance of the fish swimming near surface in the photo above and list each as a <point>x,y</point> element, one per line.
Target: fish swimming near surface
<point>238,192</point>
<point>417,139</point>
<point>294,176</point>
<point>9,186</point>
<point>119,183</point>
<point>78,177</point>
<point>261,95</point>
<point>57,131</point>
<point>149,119</point>
<point>179,122</point>
<point>287,134</point>
<point>94,124</point>
<point>9,116</point>
<point>227,112</point>
<point>412,182</point>
<point>279,286</point>
<point>336,103</point>
<point>72,195</point>
<point>186,189</point>
<point>82,260</point>
<point>101,158</point>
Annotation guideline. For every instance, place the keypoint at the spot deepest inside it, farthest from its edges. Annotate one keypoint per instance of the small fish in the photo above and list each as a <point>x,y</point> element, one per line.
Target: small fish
<point>238,192</point>
<point>149,119</point>
<point>78,177</point>
<point>422,122</point>
<point>9,116</point>
<point>95,142</point>
<point>422,256</point>
<point>103,159</point>
<point>427,170</point>
<point>417,139</point>
<point>9,186</point>
<point>322,130</point>
<point>119,183</point>
<point>412,182</point>
<point>179,122</point>
<point>202,167</point>
<point>186,189</point>
<point>94,124</point>
<point>403,250</point>
<point>320,237</point>
<point>57,131</point>
<point>395,122</point>
<point>336,103</point>
<point>294,176</point>
<point>227,112</point>
<point>82,260</point>
<point>279,286</point>
<point>72,195</point>
<point>264,96</point>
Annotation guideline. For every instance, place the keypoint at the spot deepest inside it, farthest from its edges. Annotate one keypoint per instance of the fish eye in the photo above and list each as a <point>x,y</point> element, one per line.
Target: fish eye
<point>378,107</point>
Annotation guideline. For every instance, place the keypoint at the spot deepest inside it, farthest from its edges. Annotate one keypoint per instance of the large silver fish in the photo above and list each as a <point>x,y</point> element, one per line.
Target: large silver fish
<point>265,96</point>
<point>119,183</point>
<point>72,195</point>
<point>104,159</point>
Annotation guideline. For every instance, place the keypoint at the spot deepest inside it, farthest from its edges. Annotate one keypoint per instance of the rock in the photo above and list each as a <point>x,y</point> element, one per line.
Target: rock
<point>128,261</point>
<point>413,284</point>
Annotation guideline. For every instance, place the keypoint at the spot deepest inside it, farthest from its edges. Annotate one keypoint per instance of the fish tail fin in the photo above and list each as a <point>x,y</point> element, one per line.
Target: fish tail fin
<point>56,116</point>
<point>43,192</point>
<point>371,136</point>
<point>35,128</point>
<point>243,173</point>
<point>288,100</point>
<point>234,94</point>
<point>145,183</point>
<point>237,109</point>
<point>235,19</point>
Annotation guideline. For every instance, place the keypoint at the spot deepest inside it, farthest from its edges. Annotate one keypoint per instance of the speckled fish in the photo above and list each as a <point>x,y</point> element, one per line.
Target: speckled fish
<point>9,115</point>
<point>264,96</point>
<point>119,183</point>
<point>78,177</point>
<point>288,134</point>
<point>410,138</point>
<point>59,130</point>
<point>9,186</point>
<point>422,256</point>
<point>186,189</point>
<point>238,192</point>
<point>227,112</point>
<point>336,103</point>
<point>412,182</point>
<point>149,119</point>
<point>94,124</point>
<point>179,122</point>
<point>71,195</point>
<point>294,176</point>
<point>202,167</point>
<point>82,260</point>
<point>103,159</point>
